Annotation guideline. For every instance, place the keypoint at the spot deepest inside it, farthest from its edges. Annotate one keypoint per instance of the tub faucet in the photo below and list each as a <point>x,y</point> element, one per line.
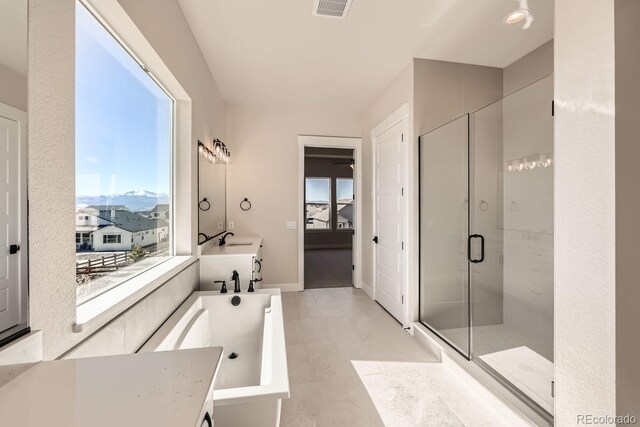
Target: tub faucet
<point>236,281</point>
<point>224,286</point>
<point>223,239</point>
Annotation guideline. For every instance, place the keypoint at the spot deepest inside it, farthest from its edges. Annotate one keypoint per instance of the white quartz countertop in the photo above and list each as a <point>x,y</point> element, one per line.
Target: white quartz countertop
<point>235,246</point>
<point>159,389</point>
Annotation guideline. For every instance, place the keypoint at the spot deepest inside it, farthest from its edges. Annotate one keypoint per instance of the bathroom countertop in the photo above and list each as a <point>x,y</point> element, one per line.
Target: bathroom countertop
<point>160,389</point>
<point>235,246</point>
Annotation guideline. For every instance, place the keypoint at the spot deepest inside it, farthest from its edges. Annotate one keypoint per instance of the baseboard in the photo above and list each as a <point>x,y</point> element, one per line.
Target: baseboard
<point>367,289</point>
<point>284,287</point>
<point>508,406</point>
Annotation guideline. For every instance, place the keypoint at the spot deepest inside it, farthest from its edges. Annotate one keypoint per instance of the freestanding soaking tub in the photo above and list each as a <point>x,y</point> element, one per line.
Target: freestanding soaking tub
<point>252,379</point>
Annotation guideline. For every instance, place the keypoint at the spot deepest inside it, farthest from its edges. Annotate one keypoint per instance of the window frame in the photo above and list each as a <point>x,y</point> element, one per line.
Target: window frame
<point>336,179</point>
<point>319,230</point>
<point>118,241</point>
<point>171,235</point>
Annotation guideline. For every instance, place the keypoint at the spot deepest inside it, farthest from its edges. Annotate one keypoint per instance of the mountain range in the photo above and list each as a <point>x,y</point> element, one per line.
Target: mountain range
<point>135,200</point>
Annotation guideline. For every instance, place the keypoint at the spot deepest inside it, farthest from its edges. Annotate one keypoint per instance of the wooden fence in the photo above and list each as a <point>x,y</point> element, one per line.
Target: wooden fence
<point>106,264</point>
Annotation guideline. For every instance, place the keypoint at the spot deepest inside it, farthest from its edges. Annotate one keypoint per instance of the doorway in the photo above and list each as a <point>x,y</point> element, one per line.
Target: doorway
<point>13,274</point>
<point>389,142</point>
<point>329,213</point>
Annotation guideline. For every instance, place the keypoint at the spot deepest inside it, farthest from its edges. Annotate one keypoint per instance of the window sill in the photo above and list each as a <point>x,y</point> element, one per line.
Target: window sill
<point>103,308</point>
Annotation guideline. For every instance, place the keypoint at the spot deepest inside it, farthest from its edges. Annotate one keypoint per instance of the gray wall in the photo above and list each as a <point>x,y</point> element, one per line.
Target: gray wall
<point>627,35</point>
<point>13,88</point>
<point>444,91</point>
<point>530,68</point>
<point>264,169</point>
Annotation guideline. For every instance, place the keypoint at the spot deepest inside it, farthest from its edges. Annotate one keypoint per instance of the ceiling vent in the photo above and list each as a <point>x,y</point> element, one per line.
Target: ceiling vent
<point>331,8</point>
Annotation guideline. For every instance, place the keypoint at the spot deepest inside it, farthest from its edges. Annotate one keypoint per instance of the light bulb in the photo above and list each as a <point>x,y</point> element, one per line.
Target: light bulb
<point>517,16</point>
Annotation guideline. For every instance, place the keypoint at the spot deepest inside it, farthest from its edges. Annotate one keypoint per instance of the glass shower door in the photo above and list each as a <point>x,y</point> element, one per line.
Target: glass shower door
<point>444,228</point>
<point>512,208</point>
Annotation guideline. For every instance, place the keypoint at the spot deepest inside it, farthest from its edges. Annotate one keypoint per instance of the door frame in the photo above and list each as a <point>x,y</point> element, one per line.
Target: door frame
<point>354,144</point>
<point>398,116</point>
<point>20,117</point>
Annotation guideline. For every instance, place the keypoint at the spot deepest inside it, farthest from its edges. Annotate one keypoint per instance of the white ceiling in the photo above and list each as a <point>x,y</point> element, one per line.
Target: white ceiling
<point>275,53</point>
<point>13,35</point>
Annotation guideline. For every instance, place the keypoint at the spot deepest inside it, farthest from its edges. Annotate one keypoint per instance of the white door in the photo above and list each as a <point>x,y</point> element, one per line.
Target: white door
<point>9,224</point>
<point>389,218</point>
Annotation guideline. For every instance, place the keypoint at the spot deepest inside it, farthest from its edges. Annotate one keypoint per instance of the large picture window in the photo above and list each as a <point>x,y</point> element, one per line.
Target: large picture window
<point>124,144</point>
<point>318,203</point>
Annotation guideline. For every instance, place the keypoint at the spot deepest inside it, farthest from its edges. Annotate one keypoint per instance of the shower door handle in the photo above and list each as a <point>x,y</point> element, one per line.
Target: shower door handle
<point>475,236</point>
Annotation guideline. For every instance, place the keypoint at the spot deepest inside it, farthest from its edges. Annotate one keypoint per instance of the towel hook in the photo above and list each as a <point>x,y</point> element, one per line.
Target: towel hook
<point>245,205</point>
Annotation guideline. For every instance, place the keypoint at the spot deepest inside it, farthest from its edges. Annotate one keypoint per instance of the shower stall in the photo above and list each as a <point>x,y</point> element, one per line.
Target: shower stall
<point>486,239</point>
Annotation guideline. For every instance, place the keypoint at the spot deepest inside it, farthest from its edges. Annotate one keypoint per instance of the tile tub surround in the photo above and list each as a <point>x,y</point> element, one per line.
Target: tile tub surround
<point>351,364</point>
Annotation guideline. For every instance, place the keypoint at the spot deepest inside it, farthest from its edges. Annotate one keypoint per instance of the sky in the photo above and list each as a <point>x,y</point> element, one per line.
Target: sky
<point>318,189</point>
<point>123,118</point>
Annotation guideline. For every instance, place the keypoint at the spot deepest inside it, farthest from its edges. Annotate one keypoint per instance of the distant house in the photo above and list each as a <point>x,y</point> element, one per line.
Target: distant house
<point>88,220</point>
<point>320,217</point>
<point>114,228</point>
<point>160,211</point>
<point>345,216</point>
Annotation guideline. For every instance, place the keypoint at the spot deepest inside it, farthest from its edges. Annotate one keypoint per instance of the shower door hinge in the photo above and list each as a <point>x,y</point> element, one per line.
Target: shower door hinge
<point>402,245</point>
<point>553,108</point>
<point>402,191</point>
<point>402,137</point>
<point>402,298</point>
<point>353,267</point>
<point>553,388</point>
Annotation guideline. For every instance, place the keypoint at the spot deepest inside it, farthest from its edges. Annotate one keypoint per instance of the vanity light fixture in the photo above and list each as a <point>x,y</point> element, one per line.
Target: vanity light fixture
<point>218,154</point>
<point>523,13</point>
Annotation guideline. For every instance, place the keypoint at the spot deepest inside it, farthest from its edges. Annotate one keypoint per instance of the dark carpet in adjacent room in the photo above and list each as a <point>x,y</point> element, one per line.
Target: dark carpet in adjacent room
<point>327,268</point>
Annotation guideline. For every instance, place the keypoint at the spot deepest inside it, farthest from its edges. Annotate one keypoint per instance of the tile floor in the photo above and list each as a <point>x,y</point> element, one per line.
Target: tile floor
<point>351,364</point>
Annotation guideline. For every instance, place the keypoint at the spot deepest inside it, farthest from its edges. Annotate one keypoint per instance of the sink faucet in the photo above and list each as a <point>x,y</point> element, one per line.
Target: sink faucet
<point>236,281</point>
<point>223,240</point>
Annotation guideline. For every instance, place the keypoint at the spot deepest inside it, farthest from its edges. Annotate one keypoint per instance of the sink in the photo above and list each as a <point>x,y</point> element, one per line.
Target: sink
<point>238,244</point>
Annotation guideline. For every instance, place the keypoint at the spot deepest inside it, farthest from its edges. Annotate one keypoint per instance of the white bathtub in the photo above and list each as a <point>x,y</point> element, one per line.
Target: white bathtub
<point>249,389</point>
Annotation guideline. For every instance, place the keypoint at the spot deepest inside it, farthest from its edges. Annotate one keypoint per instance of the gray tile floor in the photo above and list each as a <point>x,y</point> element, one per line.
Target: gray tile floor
<point>351,364</point>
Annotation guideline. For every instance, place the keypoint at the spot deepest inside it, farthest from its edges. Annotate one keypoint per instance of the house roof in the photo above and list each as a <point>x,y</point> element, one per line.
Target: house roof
<point>162,207</point>
<point>130,221</point>
<point>108,207</point>
<point>346,212</point>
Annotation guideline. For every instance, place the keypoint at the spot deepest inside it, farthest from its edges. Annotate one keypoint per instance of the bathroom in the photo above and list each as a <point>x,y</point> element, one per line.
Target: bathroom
<point>488,144</point>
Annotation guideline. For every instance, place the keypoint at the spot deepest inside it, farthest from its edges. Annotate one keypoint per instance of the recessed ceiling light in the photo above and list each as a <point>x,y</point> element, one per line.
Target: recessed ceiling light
<point>517,16</point>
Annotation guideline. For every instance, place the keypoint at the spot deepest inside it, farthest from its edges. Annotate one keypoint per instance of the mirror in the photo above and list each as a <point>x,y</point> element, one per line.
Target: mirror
<point>212,209</point>
<point>13,195</point>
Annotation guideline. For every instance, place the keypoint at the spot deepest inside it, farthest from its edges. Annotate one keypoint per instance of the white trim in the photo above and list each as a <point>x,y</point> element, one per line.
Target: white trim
<point>331,142</point>
<point>367,290</point>
<point>103,308</point>
<point>400,115</point>
<point>20,117</point>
